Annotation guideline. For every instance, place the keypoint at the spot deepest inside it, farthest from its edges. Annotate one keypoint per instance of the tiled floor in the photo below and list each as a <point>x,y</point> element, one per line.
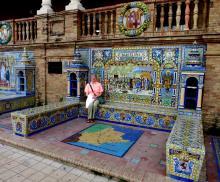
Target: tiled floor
<point>145,161</point>
<point>20,166</point>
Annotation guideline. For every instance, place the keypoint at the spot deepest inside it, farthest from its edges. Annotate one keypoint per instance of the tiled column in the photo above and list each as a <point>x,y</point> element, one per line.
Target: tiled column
<point>182,96</point>
<point>74,5</point>
<point>78,87</point>
<point>46,7</point>
<point>199,100</point>
<point>68,85</point>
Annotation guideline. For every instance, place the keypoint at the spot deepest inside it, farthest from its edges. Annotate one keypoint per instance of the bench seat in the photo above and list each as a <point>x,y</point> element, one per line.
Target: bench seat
<point>135,115</point>
<point>29,121</point>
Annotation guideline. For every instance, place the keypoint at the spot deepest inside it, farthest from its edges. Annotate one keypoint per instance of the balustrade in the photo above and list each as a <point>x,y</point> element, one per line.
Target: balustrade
<point>98,23</point>
<point>168,18</point>
<point>182,15</point>
<point>25,29</point>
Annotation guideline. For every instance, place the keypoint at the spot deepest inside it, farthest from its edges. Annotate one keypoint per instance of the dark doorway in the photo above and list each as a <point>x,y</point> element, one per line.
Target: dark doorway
<point>191,94</point>
<point>73,85</point>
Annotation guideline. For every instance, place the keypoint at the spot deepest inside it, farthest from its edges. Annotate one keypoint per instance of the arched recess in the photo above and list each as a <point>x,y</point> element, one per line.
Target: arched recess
<point>191,93</point>
<point>73,85</point>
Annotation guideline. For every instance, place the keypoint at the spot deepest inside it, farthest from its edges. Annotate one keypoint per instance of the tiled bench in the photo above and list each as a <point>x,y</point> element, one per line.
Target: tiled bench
<point>185,149</point>
<point>11,103</point>
<point>29,121</point>
<point>135,115</point>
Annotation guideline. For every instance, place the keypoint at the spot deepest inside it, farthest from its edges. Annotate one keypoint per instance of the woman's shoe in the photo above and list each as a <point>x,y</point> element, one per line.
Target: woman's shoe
<point>89,121</point>
<point>92,121</point>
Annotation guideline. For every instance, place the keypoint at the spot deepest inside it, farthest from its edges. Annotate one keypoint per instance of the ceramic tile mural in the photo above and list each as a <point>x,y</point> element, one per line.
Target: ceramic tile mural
<point>144,75</point>
<point>7,71</point>
<point>32,120</point>
<point>185,149</point>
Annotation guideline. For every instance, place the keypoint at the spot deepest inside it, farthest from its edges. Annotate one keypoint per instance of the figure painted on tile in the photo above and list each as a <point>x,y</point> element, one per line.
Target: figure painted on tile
<point>7,75</point>
<point>3,72</point>
<point>93,90</point>
<point>167,80</point>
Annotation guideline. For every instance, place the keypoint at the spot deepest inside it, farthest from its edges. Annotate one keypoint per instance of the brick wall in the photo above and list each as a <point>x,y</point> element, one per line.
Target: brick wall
<point>51,87</point>
<point>211,97</point>
<point>214,14</point>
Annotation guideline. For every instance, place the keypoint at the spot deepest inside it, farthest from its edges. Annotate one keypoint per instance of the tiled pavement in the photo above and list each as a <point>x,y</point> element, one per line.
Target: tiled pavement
<point>20,166</point>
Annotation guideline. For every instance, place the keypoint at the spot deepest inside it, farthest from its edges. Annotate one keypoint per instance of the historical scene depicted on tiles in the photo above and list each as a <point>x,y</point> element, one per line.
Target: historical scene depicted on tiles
<point>143,75</point>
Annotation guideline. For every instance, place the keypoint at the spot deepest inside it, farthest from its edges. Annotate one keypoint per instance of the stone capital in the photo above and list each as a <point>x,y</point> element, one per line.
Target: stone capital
<point>46,8</point>
<point>74,5</point>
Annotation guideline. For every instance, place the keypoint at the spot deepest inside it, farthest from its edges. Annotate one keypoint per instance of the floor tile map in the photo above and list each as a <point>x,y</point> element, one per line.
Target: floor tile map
<point>109,139</point>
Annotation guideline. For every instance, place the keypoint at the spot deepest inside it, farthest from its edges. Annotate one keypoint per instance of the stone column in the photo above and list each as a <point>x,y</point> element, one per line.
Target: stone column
<point>199,100</point>
<point>162,18</point>
<point>195,15</point>
<point>170,16</point>
<point>178,14</point>
<point>46,8</point>
<point>187,14</point>
<point>74,5</point>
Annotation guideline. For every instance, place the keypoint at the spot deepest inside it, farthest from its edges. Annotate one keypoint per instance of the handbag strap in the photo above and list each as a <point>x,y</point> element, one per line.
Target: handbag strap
<point>92,89</point>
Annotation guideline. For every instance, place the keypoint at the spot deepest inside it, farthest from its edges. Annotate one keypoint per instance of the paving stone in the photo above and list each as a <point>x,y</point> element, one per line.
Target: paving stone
<point>11,164</point>
<point>58,174</point>
<point>87,176</point>
<point>49,179</point>
<point>69,178</point>
<point>82,180</point>
<point>38,176</point>
<point>6,175</point>
<point>16,178</point>
<point>28,172</point>
<point>100,179</point>
<point>49,169</point>
<point>47,161</point>
<point>65,168</point>
<point>39,166</point>
<point>56,164</point>
<point>29,162</point>
<point>3,169</point>
<point>19,168</point>
<point>76,171</point>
